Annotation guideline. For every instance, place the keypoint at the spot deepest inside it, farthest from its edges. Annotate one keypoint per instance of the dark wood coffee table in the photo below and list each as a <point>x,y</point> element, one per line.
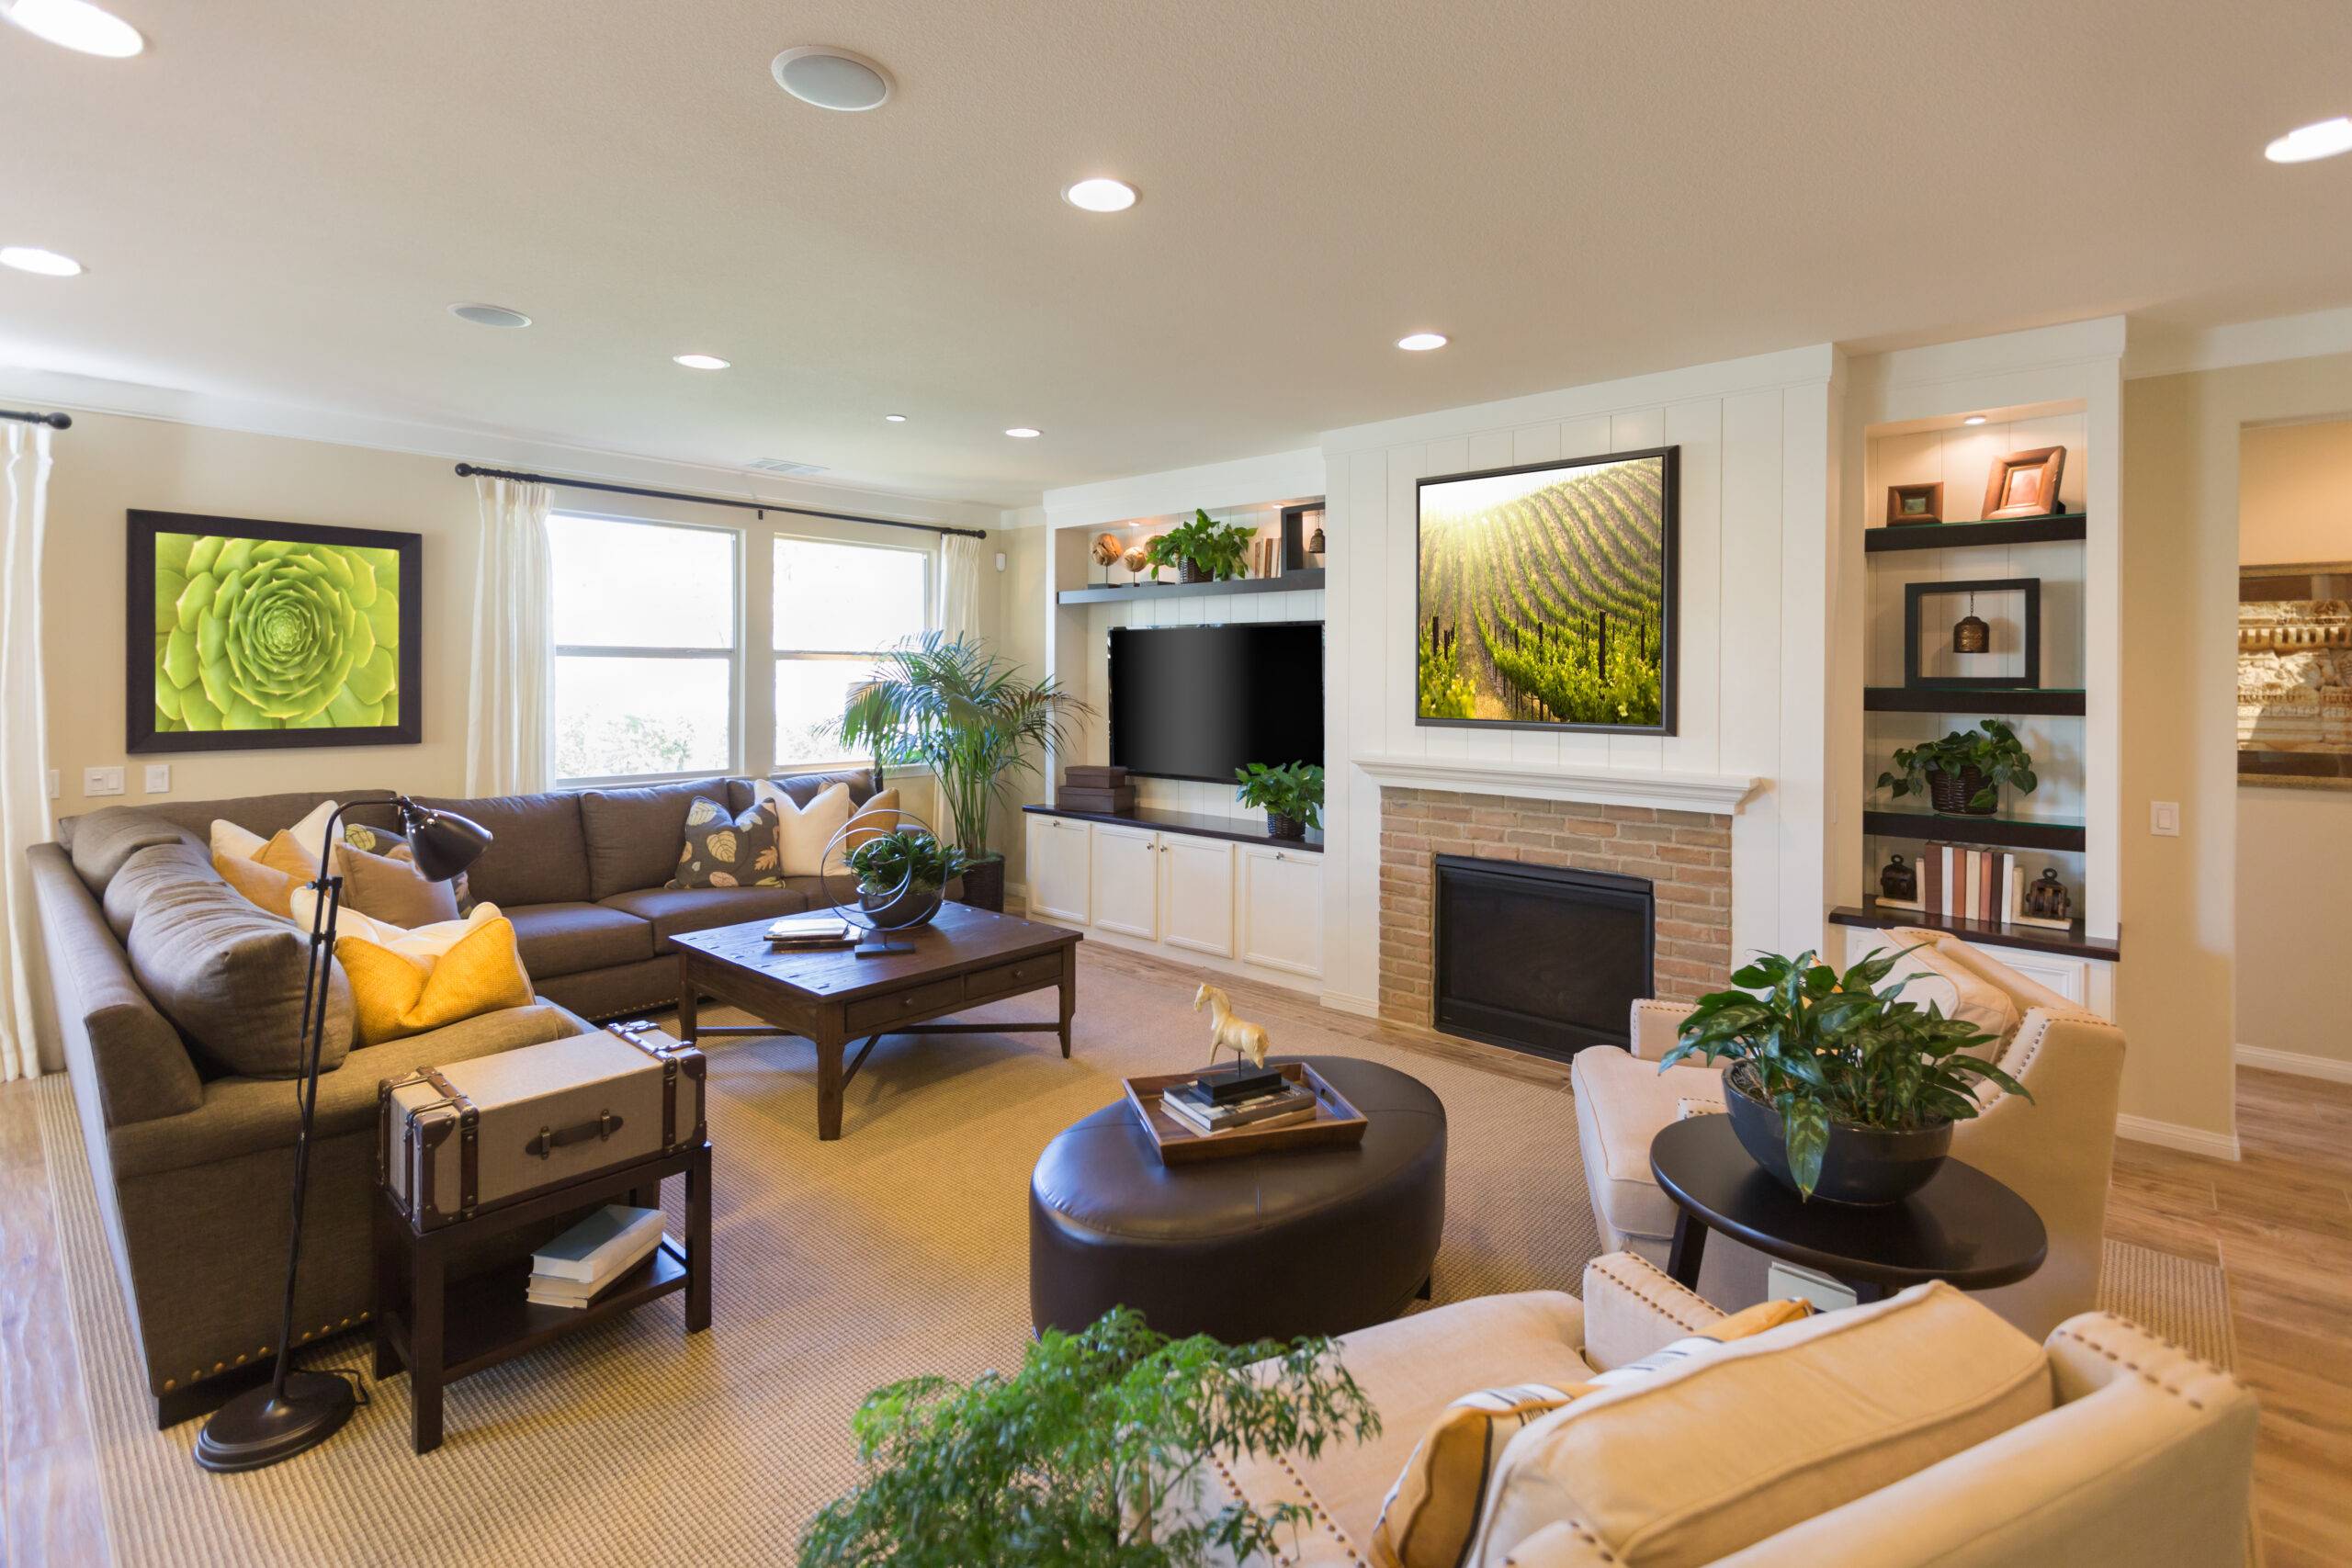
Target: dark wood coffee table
<point>1962,1226</point>
<point>964,957</point>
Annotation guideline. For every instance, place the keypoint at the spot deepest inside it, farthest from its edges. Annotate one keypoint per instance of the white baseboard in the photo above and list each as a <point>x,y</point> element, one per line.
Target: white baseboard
<point>2173,1135</point>
<point>2303,1065</point>
<point>1363,1007</point>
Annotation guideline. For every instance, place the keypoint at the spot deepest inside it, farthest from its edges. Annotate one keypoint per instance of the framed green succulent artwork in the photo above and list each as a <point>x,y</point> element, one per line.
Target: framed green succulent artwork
<point>245,634</point>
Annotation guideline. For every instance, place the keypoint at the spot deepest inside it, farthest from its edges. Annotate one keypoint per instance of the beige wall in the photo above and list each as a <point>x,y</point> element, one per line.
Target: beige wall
<point>1020,639</point>
<point>2295,845</point>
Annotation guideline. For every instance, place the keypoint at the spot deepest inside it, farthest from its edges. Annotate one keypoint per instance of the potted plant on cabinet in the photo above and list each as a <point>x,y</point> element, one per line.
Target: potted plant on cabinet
<point>1201,550</point>
<point>1962,773</point>
<point>1841,1091</point>
<point>1291,795</point>
<point>950,705</point>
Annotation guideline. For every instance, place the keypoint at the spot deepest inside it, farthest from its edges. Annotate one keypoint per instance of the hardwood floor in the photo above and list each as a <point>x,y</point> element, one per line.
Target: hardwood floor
<point>2278,1222</point>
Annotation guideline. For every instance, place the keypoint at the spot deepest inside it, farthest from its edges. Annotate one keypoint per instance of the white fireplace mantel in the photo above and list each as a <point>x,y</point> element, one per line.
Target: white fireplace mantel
<point>1720,794</point>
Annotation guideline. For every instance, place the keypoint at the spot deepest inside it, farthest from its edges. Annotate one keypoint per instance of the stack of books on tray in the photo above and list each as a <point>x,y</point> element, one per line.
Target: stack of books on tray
<point>795,932</point>
<point>585,1261</point>
<point>1221,1102</point>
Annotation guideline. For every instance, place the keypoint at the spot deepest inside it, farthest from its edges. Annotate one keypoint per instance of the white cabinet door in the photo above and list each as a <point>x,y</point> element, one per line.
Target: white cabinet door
<point>1281,908</point>
<point>1126,881</point>
<point>1196,900</point>
<point>1058,870</point>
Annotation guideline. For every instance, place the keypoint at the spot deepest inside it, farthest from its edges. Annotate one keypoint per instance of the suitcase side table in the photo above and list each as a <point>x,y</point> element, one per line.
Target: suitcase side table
<point>442,1331</point>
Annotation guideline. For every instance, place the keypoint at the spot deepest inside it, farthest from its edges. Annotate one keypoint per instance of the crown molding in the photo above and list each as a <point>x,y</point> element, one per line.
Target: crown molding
<point>2159,351</point>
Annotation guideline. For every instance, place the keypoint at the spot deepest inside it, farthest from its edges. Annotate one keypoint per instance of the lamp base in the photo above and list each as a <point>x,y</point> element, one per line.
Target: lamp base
<point>259,1428</point>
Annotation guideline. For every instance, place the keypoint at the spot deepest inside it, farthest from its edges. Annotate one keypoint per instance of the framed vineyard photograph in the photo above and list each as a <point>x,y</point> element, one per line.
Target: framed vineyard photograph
<point>1546,596</point>
<point>243,635</point>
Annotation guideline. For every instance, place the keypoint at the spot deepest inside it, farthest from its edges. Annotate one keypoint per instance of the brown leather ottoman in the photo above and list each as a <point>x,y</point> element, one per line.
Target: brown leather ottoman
<point>1265,1247</point>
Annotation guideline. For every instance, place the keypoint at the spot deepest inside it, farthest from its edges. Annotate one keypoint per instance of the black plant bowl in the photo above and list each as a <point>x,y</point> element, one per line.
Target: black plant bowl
<point>1863,1167</point>
<point>1281,827</point>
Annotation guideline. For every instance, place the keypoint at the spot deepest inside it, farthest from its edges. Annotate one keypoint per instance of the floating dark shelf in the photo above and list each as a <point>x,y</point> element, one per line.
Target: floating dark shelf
<point>1961,536</point>
<point>1973,699</point>
<point>1119,593</point>
<point>2001,832</point>
<point>2070,942</point>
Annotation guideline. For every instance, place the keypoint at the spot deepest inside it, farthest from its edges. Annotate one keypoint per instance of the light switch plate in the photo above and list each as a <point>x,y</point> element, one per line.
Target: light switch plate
<point>56,783</point>
<point>2164,818</point>
<point>101,781</point>
<point>159,778</point>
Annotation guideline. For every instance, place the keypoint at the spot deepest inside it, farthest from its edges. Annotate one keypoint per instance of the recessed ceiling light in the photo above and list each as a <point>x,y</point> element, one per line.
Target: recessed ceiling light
<point>832,78</point>
<point>701,361</point>
<point>1973,419</point>
<point>1421,342</point>
<point>32,258</point>
<point>1101,194</point>
<point>2324,140</point>
<point>895,418</point>
<point>76,25</point>
<point>490,315</point>
<point>1023,432</point>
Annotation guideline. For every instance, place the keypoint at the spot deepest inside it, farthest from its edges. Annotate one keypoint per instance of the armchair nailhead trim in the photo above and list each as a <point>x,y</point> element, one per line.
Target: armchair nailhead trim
<point>1661,1277</point>
<point>2144,1374</point>
<point>1314,1503</point>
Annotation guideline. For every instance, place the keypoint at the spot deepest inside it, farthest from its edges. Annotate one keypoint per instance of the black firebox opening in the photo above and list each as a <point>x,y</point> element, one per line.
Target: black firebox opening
<point>1541,958</point>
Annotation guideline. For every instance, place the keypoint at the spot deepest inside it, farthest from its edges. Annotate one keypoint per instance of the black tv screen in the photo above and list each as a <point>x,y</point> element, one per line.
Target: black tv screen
<point>1198,702</point>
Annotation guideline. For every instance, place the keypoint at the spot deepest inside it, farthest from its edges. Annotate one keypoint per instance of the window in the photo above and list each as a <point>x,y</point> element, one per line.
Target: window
<point>645,631</point>
<point>836,606</point>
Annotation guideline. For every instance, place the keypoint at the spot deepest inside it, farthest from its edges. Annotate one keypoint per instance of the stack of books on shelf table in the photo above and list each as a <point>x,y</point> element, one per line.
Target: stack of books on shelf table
<point>795,932</point>
<point>1220,1103</point>
<point>585,1261</point>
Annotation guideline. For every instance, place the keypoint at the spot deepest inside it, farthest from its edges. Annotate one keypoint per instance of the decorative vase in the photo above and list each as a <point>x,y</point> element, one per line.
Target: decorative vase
<point>1281,827</point>
<point>1190,571</point>
<point>902,908</point>
<point>984,884</point>
<point>1865,1167</point>
<point>1951,793</point>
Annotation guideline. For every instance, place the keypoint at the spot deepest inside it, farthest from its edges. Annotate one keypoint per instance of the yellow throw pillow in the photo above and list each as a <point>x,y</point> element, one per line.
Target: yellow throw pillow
<point>286,853</point>
<point>1431,1517</point>
<point>397,994</point>
<point>265,885</point>
<point>873,819</point>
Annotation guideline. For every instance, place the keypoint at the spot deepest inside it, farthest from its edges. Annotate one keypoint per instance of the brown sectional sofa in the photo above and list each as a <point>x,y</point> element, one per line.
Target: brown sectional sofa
<point>193,1166</point>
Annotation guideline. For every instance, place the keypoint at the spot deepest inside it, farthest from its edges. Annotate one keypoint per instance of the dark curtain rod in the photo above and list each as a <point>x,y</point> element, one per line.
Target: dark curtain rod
<point>470,470</point>
<point>56,421</point>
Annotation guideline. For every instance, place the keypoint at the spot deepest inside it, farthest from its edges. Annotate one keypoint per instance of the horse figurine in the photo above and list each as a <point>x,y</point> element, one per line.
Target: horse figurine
<point>1228,1032</point>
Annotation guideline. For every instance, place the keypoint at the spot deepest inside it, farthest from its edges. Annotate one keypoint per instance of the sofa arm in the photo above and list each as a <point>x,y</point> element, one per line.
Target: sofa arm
<point>1655,1023</point>
<point>1632,1308</point>
<point>116,1043</point>
<point>1565,1543</point>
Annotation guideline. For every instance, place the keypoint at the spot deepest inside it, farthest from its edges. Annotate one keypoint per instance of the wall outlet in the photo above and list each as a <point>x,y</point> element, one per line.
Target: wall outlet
<point>101,781</point>
<point>159,778</point>
<point>2164,818</point>
<point>56,783</point>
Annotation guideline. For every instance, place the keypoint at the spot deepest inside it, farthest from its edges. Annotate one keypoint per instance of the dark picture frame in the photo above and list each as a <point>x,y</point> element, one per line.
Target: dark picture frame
<point>2293,611</point>
<point>1901,499</point>
<point>1587,627</point>
<point>1915,598</point>
<point>143,730</point>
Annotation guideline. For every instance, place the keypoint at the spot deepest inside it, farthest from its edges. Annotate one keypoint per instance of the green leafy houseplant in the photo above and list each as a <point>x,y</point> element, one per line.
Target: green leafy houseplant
<point>1291,795</point>
<point>1830,1053</point>
<point>1093,1453</point>
<point>1965,770</point>
<point>904,856</point>
<point>1203,548</point>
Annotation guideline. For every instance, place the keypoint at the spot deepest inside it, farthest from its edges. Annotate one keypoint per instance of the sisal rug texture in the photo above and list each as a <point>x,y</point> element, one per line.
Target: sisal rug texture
<point>901,1249</point>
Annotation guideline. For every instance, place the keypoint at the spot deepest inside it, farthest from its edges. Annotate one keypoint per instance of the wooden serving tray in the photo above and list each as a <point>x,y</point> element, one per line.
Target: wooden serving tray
<point>1336,1124</point>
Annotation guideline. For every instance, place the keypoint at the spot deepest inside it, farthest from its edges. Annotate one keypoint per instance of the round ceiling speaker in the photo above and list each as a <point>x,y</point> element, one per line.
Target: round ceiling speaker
<point>490,315</point>
<point>833,78</point>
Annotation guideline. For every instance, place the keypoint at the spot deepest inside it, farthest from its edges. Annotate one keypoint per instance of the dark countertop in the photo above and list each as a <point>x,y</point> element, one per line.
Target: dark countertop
<point>1234,830</point>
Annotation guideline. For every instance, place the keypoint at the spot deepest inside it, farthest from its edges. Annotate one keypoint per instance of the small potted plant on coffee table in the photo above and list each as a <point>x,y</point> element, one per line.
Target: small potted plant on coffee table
<point>1961,774</point>
<point>1203,549</point>
<point>1841,1091</point>
<point>1291,795</point>
<point>902,876</point>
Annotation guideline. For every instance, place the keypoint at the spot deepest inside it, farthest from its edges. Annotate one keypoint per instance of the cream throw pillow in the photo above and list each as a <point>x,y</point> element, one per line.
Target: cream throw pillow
<point>1959,991</point>
<point>802,833</point>
<point>420,943</point>
<point>232,842</point>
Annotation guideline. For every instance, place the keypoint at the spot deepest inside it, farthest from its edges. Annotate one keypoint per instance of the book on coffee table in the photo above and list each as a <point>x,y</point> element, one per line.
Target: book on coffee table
<point>811,930</point>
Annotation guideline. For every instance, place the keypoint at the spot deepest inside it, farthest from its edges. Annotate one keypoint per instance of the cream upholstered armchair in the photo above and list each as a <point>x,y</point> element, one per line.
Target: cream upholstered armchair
<point>2054,1150</point>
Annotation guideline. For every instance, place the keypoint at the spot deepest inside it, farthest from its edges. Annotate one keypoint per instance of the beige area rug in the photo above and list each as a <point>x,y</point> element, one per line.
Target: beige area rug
<point>900,1249</point>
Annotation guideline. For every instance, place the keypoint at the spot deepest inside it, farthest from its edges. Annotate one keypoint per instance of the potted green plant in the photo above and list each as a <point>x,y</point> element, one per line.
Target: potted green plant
<point>1962,773</point>
<point>1201,550</point>
<point>902,875</point>
<point>1840,1090</point>
<point>950,705</point>
<point>1098,1450</point>
<point>1291,795</point>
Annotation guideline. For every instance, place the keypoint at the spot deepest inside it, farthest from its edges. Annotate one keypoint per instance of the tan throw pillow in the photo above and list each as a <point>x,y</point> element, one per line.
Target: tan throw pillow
<point>389,889</point>
<point>871,820</point>
<point>1430,1516</point>
<point>722,851</point>
<point>266,885</point>
<point>286,853</point>
<point>802,832</point>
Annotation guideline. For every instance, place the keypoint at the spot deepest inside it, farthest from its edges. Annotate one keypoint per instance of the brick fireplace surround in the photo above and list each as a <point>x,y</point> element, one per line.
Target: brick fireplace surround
<point>1686,853</point>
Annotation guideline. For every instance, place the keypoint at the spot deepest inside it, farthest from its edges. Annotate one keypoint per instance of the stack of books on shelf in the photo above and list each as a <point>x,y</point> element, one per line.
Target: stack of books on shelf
<point>1965,883</point>
<point>1221,1102</point>
<point>795,931</point>
<point>585,1261</point>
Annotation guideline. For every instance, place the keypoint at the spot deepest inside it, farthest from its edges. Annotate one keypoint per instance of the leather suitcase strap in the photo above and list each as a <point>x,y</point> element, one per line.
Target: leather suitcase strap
<point>635,1030</point>
<point>468,1140</point>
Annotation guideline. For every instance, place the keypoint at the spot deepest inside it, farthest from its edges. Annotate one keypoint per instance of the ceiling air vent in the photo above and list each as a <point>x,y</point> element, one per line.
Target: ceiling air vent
<point>784,465</point>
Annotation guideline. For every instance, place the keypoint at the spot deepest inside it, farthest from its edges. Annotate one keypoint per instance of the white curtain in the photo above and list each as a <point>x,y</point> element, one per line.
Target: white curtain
<point>959,585</point>
<point>24,737</point>
<point>510,705</point>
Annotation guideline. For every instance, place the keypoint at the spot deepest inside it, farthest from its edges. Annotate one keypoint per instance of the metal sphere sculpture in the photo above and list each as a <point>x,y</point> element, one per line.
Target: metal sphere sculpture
<point>882,912</point>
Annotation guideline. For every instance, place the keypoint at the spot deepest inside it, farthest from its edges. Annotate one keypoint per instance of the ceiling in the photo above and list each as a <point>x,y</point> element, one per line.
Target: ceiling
<point>278,201</point>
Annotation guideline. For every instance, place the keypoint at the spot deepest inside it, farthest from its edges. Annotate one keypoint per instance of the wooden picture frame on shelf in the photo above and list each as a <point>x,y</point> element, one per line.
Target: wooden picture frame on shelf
<point>1907,505</point>
<point>2025,484</point>
<point>1915,598</point>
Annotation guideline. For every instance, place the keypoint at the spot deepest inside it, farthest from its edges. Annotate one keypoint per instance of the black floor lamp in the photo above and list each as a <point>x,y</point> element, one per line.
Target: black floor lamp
<point>298,1410</point>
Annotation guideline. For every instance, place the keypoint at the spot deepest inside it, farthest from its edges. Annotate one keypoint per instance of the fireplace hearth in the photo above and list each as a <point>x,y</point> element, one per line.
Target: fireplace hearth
<point>1543,958</point>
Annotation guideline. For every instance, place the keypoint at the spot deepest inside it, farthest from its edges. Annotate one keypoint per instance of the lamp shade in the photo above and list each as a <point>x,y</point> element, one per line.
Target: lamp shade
<point>443,842</point>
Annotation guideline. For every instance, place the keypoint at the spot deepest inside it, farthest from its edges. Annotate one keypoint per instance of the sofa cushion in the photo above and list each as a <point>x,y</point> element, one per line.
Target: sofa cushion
<point>538,853</point>
<point>673,909</point>
<point>727,849</point>
<point>1621,1103</point>
<point>402,989</point>
<point>567,938</point>
<point>1692,1463</point>
<point>104,840</point>
<point>633,834</point>
<point>390,888</point>
<point>804,828</point>
<point>227,973</point>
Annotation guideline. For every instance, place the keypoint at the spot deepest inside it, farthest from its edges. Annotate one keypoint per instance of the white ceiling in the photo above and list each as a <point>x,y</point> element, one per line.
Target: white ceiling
<point>279,200</point>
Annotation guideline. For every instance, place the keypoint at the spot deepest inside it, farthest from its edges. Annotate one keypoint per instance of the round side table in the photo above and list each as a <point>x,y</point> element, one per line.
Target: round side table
<point>1962,1226</point>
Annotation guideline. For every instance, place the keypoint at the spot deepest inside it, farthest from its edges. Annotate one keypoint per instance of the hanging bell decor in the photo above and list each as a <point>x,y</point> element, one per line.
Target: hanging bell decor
<point>1971,634</point>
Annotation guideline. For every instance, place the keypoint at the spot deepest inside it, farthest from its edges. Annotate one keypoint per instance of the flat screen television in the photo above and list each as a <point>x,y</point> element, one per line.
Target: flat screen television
<point>1198,702</point>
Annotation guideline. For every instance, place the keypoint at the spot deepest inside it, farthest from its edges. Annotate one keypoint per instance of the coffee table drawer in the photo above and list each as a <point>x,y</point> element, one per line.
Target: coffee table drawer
<point>1010,979</point>
<point>879,1013</point>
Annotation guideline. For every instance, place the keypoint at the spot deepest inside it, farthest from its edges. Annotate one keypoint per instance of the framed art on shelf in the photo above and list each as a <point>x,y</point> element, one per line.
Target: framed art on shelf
<point>1940,653</point>
<point>1909,505</point>
<point>243,635</point>
<point>1546,595</point>
<point>2295,675</point>
<point>2025,484</point>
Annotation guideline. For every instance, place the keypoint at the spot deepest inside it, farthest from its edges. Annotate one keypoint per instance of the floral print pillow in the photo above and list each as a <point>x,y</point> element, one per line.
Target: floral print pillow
<point>724,851</point>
